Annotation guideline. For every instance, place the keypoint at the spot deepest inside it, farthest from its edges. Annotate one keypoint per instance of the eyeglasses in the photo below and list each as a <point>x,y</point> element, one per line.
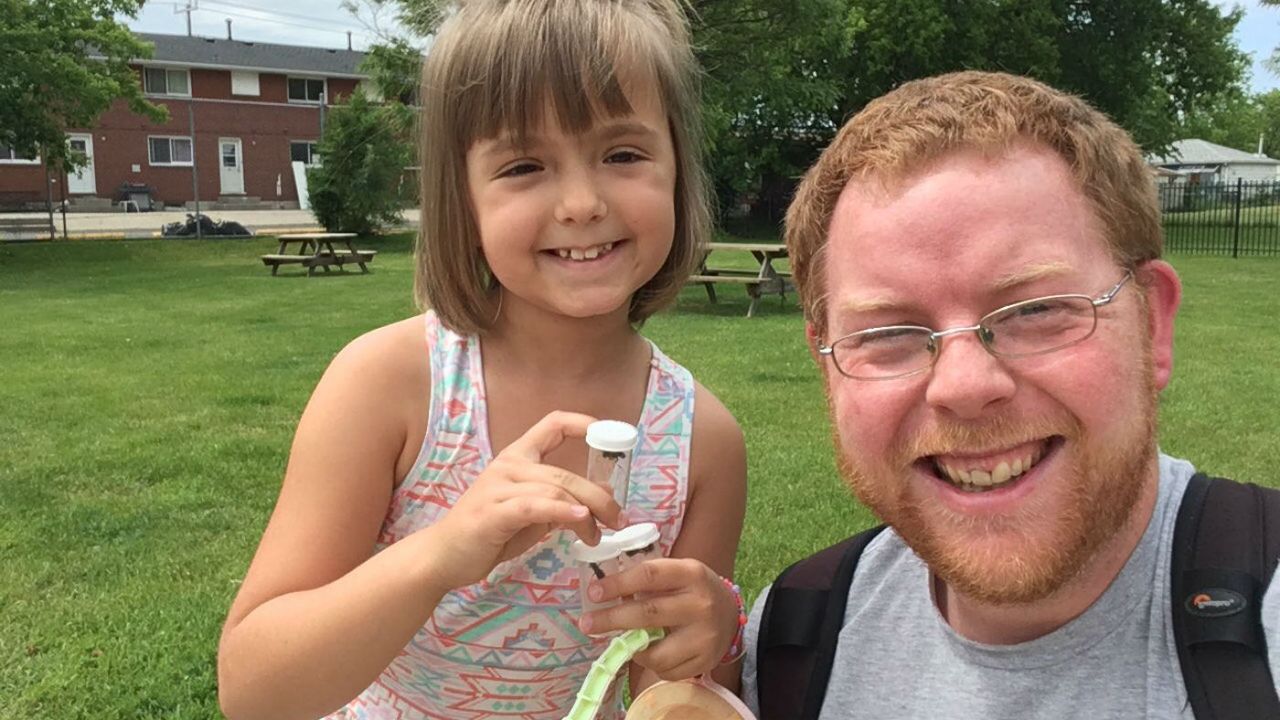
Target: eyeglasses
<point>1031,327</point>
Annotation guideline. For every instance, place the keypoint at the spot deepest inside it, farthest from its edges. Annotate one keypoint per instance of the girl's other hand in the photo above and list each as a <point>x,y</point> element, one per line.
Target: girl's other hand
<point>682,595</point>
<point>516,501</point>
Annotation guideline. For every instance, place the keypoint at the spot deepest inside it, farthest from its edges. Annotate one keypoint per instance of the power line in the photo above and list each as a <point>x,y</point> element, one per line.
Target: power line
<point>291,23</point>
<point>278,13</point>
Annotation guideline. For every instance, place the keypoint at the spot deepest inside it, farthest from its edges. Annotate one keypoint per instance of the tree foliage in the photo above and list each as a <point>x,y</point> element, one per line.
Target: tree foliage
<point>65,62</point>
<point>1273,63</point>
<point>1239,121</point>
<point>364,151</point>
<point>783,75</point>
<point>394,68</point>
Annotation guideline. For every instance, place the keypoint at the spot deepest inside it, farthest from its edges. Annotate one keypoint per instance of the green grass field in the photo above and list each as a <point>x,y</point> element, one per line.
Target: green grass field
<point>150,390</point>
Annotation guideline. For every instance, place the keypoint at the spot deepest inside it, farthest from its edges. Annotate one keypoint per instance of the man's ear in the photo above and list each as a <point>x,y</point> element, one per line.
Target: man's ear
<point>811,336</point>
<point>1163,288</point>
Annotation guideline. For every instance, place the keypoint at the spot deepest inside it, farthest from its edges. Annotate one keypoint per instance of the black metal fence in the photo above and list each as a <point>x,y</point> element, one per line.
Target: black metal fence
<point>1239,218</point>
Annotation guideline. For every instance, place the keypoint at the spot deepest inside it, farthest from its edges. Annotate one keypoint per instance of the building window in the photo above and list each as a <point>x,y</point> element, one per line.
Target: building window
<point>161,81</point>
<point>169,150</point>
<point>9,156</point>
<point>244,83</point>
<point>305,90</point>
<point>306,152</point>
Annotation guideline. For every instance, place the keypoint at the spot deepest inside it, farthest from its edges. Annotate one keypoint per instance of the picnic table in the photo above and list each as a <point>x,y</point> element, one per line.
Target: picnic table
<point>316,250</point>
<point>764,280</point>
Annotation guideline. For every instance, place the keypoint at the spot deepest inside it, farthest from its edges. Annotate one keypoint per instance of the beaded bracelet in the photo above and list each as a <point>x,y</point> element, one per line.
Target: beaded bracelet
<point>738,647</point>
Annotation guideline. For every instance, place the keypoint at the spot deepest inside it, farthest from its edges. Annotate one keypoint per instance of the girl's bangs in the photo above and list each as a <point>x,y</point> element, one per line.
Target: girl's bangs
<point>576,67</point>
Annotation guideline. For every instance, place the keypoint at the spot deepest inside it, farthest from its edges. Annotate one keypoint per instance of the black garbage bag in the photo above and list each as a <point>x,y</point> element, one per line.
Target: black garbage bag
<point>208,228</point>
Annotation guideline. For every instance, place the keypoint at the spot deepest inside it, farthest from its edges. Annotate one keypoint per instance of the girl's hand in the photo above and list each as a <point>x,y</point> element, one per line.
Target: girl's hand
<point>516,501</point>
<point>682,595</point>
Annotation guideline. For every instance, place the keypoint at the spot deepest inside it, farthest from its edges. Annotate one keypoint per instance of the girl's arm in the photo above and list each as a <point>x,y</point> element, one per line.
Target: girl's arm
<point>709,535</point>
<point>319,616</point>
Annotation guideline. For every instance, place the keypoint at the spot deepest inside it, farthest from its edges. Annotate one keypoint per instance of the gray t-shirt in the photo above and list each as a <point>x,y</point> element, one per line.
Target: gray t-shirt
<point>898,658</point>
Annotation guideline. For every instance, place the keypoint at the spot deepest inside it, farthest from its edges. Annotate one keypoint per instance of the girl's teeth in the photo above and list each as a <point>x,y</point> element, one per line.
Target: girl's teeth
<point>579,254</point>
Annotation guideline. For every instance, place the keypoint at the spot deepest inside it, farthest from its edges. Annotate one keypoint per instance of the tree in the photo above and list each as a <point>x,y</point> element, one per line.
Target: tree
<point>65,62</point>
<point>783,75</point>
<point>1274,62</point>
<point>364,151</point>
<point>394,68</point>
<point>1239,121</point>
<point>1268,104</point>
<point>1146,63</point>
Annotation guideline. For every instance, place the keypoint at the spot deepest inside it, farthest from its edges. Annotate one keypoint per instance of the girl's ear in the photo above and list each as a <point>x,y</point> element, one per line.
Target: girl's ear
<point>1164,293</point>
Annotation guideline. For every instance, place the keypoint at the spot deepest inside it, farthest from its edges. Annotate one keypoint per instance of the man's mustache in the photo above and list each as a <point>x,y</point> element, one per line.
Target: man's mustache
<point>998,432</point>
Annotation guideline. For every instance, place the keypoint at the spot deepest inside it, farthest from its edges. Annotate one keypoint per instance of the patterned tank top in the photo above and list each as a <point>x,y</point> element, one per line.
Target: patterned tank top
<point>509,646</point>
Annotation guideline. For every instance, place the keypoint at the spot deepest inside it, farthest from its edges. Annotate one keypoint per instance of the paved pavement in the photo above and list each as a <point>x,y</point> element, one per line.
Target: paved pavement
<point>83,226</point>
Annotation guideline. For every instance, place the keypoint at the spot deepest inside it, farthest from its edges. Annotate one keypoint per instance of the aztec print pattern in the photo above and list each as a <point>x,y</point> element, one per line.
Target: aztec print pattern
<point>508,647</point>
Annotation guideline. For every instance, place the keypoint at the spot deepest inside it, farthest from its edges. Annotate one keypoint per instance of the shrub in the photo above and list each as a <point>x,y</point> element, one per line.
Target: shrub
<point>363,154</point>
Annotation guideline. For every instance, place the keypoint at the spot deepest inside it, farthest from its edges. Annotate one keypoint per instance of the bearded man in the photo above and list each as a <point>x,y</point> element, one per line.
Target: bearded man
<point>978,257</point>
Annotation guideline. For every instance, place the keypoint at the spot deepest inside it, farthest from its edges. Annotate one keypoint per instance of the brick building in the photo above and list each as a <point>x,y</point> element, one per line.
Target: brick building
<point>239,114</point>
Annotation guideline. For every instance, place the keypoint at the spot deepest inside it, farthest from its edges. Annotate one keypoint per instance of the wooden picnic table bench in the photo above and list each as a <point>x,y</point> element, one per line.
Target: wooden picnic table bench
<point>316,250</point>
<point>764,280</point>
<point>19,226</point>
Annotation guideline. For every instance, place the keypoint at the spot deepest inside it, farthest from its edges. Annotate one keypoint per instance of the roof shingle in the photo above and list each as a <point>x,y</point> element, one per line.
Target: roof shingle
<point>1203,152</point>
<point>181,49</point>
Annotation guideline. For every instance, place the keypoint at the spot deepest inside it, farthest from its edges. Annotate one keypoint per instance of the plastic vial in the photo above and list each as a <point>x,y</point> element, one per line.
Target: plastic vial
<point>617,552</point>
<point>610,446</point>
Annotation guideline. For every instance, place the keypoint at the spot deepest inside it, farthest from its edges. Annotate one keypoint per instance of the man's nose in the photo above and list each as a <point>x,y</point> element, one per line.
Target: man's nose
<point>581,201</point>
<point>966,380</point>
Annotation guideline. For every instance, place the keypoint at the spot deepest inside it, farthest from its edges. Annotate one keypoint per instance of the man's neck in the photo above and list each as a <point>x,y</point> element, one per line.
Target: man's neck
<point>1013,624</point>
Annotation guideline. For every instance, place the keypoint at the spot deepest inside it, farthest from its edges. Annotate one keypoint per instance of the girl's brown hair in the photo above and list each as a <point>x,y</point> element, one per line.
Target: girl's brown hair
<point>494,66</point>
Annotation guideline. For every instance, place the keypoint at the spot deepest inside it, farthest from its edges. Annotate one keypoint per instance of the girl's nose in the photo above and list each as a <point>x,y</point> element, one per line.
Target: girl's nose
<point>581,202</point>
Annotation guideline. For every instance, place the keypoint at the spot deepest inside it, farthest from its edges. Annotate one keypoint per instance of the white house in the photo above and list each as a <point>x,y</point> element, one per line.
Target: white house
<point>1200,161</point>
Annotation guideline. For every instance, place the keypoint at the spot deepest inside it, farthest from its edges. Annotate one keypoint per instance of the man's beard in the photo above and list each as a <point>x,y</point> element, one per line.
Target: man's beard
<point>1040,549</point>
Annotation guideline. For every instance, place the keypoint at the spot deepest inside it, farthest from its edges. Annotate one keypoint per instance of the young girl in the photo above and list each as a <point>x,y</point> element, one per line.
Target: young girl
<point>416,563</point>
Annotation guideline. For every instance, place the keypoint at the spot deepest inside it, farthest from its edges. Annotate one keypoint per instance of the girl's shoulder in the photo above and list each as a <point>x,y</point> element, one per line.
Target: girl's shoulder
<point>399,350</point>
<point>386,371</point>
<point>716,434</point>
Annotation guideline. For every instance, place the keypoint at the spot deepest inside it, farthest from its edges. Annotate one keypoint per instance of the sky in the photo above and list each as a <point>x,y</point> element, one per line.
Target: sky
<point>324,23</point>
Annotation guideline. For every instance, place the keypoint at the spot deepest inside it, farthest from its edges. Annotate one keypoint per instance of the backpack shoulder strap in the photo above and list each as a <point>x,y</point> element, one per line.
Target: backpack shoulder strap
<point>800,627</point>
<point>1225,548</point>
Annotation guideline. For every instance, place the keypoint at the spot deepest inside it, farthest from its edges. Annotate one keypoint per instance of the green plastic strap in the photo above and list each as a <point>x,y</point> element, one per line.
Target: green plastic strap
<point>620,651</point>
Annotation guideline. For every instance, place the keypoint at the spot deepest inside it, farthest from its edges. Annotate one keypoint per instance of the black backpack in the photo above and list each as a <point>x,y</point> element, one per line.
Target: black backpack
<point>1225,550</point>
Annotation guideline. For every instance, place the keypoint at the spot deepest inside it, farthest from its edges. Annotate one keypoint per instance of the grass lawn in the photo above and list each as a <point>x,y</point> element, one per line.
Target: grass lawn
<point>151,390</point>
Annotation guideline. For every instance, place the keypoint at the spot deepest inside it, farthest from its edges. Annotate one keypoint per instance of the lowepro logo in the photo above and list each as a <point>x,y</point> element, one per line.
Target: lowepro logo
<point>1216,602</point>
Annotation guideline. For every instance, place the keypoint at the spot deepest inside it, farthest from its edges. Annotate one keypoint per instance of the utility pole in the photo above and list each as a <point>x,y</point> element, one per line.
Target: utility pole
<point>188,8</point>
<point>195,181</point>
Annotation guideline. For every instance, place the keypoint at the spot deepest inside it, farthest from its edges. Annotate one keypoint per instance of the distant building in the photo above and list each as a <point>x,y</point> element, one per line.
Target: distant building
<point>1203,162</point>
<point>255,107</point>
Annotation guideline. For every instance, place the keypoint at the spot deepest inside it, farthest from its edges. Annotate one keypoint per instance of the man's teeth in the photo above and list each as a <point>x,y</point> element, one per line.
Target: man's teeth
<point>978,479</point>
<point>581,254</point>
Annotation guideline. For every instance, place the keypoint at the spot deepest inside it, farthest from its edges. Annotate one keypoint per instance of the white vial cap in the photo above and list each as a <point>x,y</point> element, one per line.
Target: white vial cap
<point>612,436</point>
<point>632,537</point>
